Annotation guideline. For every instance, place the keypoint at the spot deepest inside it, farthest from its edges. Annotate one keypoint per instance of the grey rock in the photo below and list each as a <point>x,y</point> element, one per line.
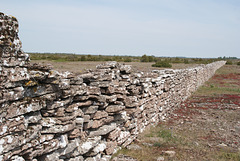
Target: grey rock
<point>114,108</point>
<point>103,130</point>
<point>134,147</point>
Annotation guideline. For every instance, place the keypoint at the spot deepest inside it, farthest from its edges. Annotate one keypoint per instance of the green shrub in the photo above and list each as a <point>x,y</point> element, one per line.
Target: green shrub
<point>144,58</point>
<point>164,64</point>
<point>186,61</point>
<point>238,63</point>
<point>127,60</point>
<point>229,62</point>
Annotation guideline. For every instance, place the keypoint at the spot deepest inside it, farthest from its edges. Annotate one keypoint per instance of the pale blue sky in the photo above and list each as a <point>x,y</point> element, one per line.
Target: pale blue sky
<point>191,28</point>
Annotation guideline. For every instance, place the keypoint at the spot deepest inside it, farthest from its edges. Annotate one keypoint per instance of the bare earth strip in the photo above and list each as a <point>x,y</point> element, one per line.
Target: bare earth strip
<point>204,127</point>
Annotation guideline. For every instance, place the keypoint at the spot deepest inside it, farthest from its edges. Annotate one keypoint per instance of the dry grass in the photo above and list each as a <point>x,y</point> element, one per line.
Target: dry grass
<point>83,66</point>
<point>225,81</point>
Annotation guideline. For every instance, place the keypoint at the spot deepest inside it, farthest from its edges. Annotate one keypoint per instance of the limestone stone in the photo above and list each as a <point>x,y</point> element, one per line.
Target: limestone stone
<point>89,144</point>
<point>17,158</point>
<point>125,69</point>
<point>100,114</point>
<point>114,134</point>
<point>93,91</point>
<point>134,147</point>
<point>111,147</point>
<point>98,123</point>
<point>170,153</point>
<point>103,130</point>
<point>75,134</point>
<point>79,158</point>
<point>58,129</point>
<point>114,108</point>
<point>131,101</point>
<point>90,110</point>
<point>123,137</point>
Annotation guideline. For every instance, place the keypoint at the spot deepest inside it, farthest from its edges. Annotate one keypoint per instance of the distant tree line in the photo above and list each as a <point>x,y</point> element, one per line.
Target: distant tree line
<point>159,61</point>
<point>74,57</point>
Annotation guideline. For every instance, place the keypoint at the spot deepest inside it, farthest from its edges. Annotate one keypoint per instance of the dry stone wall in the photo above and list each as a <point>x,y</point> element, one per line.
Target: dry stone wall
<point>47,115</point>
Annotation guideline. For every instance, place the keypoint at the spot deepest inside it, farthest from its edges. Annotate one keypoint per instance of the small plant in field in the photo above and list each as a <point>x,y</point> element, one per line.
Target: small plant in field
<point>165,136</point>
<point>229,156</point>
<point>186,61</point>
<point>157,144</point>
<point>162,64</point>
<point>238,63</point>
<point>127,60</point>
<point>229,62</point>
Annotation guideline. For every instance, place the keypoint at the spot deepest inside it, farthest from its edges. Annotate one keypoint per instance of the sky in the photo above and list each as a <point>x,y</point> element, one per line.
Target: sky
<point>189,28</point>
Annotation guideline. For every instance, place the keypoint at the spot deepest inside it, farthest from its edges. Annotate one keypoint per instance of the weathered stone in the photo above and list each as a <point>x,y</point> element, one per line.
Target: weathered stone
<point>58,104</point>
<point>121,90</point>
<point>114,134</point>
<point>76,80</point>
<point>88,125</point>
<point>10,142</point>
<point>90,110</point>
<point>130,140</point>
<point>134,147</point>
<point>123,137</point>
<point>17,158</point>
<point>79,158</point>
<point>170,153</point>
<point>131,101</point>
<point>86,118</point>
<point>111,147</point>
<point>106,65</point>
<point>100,114</point>
<point>98,123</point>
<point>19,108</point>
<point>58,129</point>
<point>98,149</point>
<point>47,137</point>
<point>102,84</point>
<point>89,144</point>
<point>161,158</point>
<point>75,133</point>
<point>114,108</point>
<point>33,118</point>
<point>93,91</point>
<point>111,98</point>
<point>17,124</point>
<point>103,130</point>
<point>126,69</point>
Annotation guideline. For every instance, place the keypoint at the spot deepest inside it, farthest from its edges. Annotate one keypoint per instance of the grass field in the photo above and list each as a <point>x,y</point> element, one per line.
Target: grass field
<point>78,67</point>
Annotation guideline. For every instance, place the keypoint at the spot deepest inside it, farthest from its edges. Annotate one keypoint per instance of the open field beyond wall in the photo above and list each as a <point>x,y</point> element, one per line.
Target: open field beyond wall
<point>80,67</point>
<point>204,127</point>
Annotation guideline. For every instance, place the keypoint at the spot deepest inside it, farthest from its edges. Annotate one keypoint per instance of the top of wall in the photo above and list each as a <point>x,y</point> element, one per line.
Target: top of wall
<point>11,53</point>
